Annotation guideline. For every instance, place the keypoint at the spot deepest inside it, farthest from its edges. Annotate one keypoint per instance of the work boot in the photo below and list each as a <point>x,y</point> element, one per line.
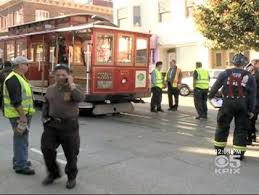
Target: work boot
<point>253,137</point>
<point>160,110</point>
<point>71,183</point>
<point>239,156</point>
<point>153,110</point>
<point>26,171</point>
<point>28,164</point>
<point>50,179</point>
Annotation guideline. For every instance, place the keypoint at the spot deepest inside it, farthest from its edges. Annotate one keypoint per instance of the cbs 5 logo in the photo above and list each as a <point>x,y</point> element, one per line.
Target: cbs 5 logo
<point>224,161</point>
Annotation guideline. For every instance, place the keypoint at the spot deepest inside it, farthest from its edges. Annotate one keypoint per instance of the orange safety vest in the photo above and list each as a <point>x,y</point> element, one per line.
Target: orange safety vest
<point>175,80</point>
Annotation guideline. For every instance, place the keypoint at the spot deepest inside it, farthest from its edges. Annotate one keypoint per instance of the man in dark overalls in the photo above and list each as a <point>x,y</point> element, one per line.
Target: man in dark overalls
<point>60,121</point>
<point>251,137</point>
<point>239,98</point>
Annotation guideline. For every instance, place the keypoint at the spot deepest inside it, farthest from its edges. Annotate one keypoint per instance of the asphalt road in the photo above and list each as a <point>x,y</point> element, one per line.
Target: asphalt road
<point>141,152</point>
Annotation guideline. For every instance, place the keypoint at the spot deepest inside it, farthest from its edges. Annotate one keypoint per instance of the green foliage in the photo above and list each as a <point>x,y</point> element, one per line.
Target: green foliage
<point>229,24</point>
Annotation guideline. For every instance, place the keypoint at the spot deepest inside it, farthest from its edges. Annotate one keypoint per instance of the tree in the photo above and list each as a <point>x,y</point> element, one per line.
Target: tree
<point>229,24</point>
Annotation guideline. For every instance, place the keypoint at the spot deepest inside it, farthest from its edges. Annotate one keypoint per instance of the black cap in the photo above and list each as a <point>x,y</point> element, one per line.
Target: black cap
<point>62,67</point>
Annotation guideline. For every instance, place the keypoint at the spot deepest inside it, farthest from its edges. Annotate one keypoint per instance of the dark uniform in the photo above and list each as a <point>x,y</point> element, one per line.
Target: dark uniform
<point>60,115</point>
<point>239,96</point>
<point>252,128</point>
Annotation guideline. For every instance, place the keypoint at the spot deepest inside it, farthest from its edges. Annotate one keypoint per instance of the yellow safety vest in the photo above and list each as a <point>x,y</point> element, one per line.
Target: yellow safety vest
<point>27,100</point>
<point>159,79</point>
<point>175,80</point>
<point>203,79</point>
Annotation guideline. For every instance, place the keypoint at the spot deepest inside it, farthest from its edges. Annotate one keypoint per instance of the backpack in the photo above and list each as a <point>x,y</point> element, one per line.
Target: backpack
<point>236,84</point>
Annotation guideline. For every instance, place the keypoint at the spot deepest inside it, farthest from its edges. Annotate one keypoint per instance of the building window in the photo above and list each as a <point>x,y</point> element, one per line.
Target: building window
<point>164,13</point>
<point>189,5</point>
<point>21,48</point>
<point>218,59</point>
<point>136,16</point>
<point>41,15</point>
<point>10,50</point>
<point>18,17</point>
<point>10,19</point>
<point>122,15</point>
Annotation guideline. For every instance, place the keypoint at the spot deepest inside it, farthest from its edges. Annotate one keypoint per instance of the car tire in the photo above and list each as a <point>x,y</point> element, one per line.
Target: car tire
<point>185,90</point>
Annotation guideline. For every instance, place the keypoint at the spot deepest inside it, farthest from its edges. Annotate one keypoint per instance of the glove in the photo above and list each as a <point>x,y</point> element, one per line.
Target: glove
<point>250,115</point>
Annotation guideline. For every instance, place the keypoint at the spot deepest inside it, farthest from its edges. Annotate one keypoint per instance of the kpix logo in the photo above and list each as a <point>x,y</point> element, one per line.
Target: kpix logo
<point>227,164</point>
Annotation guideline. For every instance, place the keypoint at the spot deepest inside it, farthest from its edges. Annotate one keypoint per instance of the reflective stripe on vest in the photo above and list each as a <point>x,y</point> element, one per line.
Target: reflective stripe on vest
<point>27,100</point>
<point>159,79</point>
<point>175,80</point>
<point>203,79</point>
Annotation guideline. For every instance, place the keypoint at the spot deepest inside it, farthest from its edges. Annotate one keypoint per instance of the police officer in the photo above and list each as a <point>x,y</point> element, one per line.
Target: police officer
<point>239,97</point>
<point>173,79</point>
<point>201,81</point>
<point>18,108</point>
<point>157,86</point>
<point>60,121</point>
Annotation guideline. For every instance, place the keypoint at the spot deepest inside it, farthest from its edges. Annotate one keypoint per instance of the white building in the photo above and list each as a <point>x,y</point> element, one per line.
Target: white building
<point>171,21</point>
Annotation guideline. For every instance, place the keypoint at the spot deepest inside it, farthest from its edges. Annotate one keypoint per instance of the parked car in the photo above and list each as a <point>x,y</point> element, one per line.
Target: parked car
<point>187,82</point>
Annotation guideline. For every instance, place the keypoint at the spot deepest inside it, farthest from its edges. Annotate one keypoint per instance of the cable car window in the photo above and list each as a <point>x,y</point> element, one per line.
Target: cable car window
<point>141,52</point>
<point>32,54</point>
<point>77,54</point>
<point>125,49</point>
<point>10,50</point>
<point>104,49</point>
<point>21,48</point>
<point>39,53</point>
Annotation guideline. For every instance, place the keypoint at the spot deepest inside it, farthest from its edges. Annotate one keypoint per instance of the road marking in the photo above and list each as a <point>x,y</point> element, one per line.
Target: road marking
<point>40,153</point>
<point>162,119</point>
<point>137,115</point>
<point>186,127</point>
<point>181,133</point>
<point>187,123</point>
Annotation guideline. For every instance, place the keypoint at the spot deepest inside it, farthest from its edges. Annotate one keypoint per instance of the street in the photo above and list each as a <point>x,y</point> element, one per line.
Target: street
<point>142,152</point>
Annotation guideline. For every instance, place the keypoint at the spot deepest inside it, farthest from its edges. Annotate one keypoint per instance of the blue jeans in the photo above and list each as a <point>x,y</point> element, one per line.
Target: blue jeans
<point>20,146</point>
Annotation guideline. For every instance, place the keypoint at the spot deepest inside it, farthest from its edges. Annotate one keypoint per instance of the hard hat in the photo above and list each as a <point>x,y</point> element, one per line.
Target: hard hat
<point>240,59</point>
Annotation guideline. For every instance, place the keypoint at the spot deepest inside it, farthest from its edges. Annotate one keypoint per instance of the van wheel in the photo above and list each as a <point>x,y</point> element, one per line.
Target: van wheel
<point>185,90</point>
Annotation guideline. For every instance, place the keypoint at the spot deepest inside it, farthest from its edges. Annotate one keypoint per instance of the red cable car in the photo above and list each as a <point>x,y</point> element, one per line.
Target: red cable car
<point>110,64</point>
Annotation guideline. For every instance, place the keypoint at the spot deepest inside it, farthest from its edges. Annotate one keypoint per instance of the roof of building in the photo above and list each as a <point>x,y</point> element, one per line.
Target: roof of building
<point>4,4</point>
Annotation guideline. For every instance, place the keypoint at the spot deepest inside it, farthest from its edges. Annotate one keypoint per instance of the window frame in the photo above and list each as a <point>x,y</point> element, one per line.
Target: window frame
<point>139,16</point>
<point>221,59</point>
<point>39,14</point>
<point>95,48</point>
<point>147,54</point>
<point>13,44</point>
<point>162,12</point>
<point>132,50</point>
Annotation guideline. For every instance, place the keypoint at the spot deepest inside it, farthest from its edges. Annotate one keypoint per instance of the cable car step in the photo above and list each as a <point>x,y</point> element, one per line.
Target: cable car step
<point>113,108</point>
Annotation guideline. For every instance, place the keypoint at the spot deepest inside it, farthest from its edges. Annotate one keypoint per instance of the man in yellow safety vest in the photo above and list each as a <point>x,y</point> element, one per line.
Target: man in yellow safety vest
<point>18,108</point>
<point>201,81</point>
<point>157,83</point>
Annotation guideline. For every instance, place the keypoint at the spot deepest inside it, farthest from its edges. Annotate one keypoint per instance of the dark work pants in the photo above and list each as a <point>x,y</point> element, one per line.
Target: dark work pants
<point>156,98</point>
<point>173,91</point>
<point>200,101</point>
<point>237,109</point>
<point>252,128</point>
<point>65,134</point>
